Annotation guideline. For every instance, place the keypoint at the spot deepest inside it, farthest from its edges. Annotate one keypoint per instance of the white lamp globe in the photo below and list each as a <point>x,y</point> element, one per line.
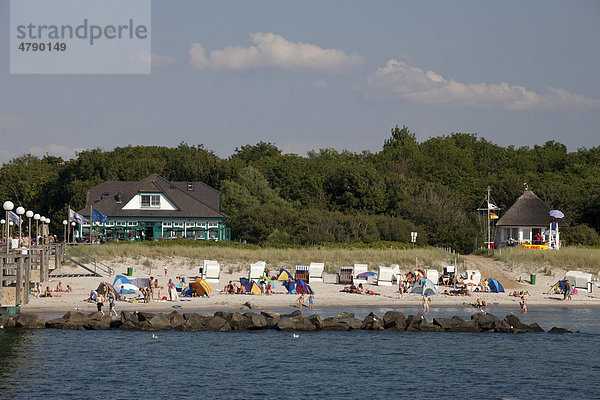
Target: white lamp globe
<point>65,223</point>
<point>8,205</point>
<point>36,217</point>
<point>20,210</point>
<point>48,221</point>
<point>73,223</point>
<point>3,221</point>
<point>29,214</point>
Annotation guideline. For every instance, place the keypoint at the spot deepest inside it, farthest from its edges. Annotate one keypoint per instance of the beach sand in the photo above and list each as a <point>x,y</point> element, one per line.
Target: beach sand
<point>327,293</point>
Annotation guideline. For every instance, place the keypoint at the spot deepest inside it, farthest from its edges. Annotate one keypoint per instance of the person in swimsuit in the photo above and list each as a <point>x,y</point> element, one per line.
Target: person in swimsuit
<point>100,303</point>
<point>311,300</point>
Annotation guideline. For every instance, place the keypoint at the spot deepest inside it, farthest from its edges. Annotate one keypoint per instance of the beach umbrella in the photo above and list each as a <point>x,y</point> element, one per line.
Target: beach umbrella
<point>366,275</point>
<point>556,214</point>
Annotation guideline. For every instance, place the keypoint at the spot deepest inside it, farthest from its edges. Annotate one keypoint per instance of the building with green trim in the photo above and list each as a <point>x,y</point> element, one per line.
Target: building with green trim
<point>156,209</point>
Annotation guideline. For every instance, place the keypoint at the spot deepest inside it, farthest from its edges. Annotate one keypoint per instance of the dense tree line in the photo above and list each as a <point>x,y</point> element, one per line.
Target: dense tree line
<point>432,187</point>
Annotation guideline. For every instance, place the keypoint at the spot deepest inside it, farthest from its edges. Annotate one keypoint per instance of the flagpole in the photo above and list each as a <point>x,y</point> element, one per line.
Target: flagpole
<point>68,224</point>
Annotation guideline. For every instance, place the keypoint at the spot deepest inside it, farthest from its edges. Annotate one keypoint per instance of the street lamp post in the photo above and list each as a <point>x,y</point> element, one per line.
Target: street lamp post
<point>65,223</point>
<point>73,230</point>
<point>8,206</point>
<point>20,212</point>
<point>29,215</point>
<point>37,217</point>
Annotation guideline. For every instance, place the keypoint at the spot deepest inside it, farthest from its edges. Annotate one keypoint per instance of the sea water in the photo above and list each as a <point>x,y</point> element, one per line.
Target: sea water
<point>274,365</point>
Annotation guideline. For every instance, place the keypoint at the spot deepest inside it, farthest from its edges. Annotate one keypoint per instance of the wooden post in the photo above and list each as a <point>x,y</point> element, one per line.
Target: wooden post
<point>19,288</point>
<point>1,277</point>
<point>56,257</point>
<point>47,263</point>
<point>42,262</point>
<point>27,279</point>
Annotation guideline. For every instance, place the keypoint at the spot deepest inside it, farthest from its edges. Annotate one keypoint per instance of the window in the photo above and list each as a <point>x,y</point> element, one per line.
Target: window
<point>167,224</point>
<point>201,224</point>
<point>131,223</point>
<point>189,224</point>
<point>104,195</point>
<point>120,223</point>
<point>190,186</point>
<point>150,200</point>
<point>178,224</point>
<point>213,224</point>
<point>110,224</point>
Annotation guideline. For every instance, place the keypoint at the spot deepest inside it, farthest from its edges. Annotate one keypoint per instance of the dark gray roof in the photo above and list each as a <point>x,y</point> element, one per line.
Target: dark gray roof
<point>201,202</point>
<point>528,210</point>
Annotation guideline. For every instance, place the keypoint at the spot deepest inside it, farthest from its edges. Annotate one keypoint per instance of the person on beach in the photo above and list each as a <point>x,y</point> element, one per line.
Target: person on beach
<point>47,293</point>
<point>151,286</point>
<point>300,301</point>
<point>158,289</point>
<point>100,303</point>
<point>361,289</point>
<point>69,288</point>
<point>311,300</point>
<point>400,288</point>
<point>172,291</point>
<point>111,302</point>
<point>59,287</point>
<point>523,304</point>
<point>567,294</point>
<point>426,303</point>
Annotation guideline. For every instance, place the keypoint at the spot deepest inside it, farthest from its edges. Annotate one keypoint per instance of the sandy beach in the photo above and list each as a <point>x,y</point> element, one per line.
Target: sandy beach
<point>327,293</point>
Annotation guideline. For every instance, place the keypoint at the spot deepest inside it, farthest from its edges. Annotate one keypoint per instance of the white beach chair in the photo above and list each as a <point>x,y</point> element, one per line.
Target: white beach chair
<point>211,271</point>
<point>257,270</point>
<point>315,272</point>
<point>396,274</point>
<point>433,275</point>
<point>384,277</point>
<point>578,279</point>
<point>359,269</point>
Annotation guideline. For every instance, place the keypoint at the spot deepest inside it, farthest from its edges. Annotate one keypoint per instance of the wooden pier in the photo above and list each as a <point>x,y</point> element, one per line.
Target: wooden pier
<point>22,268</point>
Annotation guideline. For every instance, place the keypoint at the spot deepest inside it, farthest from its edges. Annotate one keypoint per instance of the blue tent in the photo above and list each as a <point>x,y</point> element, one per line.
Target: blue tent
<point>302,287</point>
<point>423,287</point>
<point>246,284</point>
<point>123,285</point>
<point>495,286</point>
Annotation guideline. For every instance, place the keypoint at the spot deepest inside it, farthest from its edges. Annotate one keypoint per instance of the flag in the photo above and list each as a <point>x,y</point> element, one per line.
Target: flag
<point>75,216</point>
<point>493,216</point>
<point>14,218</point>
<point>97,216</point>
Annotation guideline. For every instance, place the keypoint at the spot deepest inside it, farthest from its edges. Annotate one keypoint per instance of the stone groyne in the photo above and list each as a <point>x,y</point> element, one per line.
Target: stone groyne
<point>394,321</point>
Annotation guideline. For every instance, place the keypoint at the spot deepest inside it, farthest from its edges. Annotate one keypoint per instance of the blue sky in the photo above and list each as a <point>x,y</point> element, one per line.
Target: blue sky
<point>314,74</point>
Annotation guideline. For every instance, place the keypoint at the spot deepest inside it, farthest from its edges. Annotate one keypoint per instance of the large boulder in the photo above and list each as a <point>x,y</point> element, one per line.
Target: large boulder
<point>175,319</point>
<point>71,320</point>
<point>144,316</point>
<point>555,329</point>
<point>394,321</point>
<point>127,326</point>
<point>217,324</point>
<point>413,322</point>
<point>255,321</point>
<point>272,318</point>
<point>316,321</point>
<point>194,322</point>
<point>448,324</point>
<point>486,322</point>
<point>295,323</point>
<point>153,323</point>
<point>372,322</point>
<point>96,321</point>
<point>342,322</point>
<point>129,316</point>
<point>28,321</point>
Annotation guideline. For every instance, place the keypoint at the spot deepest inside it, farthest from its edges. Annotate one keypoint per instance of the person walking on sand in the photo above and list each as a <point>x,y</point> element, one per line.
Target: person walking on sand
<point>100,303</point>
<point>111,302</point>
<point>567,294</point>
<point>400,287</point>
<point>426,304</point>
<point>300,301</point>
<point>311,300</point>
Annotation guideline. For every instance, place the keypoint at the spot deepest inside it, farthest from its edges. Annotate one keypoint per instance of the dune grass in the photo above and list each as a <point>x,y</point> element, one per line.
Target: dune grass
<point>567,258</point>
<point>236,256</point>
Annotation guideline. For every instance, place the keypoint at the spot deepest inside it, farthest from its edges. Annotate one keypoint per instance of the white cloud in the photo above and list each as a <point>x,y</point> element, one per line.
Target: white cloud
<point>274,51</point>
<point>399,80</point>
<point>155,60</point>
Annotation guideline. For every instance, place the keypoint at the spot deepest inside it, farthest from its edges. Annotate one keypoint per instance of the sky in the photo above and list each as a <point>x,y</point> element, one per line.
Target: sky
<point>307,75</point>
